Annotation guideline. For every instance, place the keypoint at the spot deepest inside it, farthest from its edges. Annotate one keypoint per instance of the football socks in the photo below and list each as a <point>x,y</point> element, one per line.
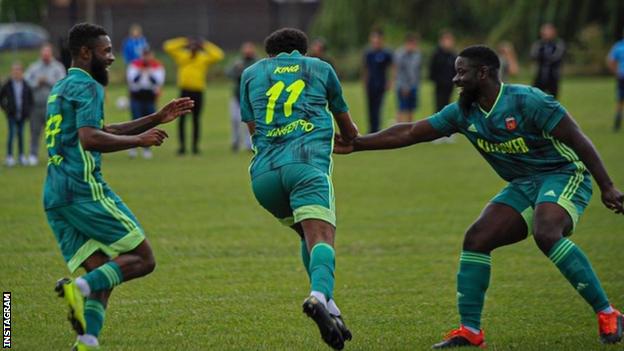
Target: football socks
<point>575,266</point>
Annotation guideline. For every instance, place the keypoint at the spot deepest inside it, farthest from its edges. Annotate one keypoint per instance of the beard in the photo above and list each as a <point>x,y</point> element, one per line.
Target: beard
<point>467,97</point>
<point>99,72</point>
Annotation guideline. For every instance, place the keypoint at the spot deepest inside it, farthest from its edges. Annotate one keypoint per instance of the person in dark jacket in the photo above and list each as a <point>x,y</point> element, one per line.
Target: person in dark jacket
<point>548,53</point>
<point>16,100</point>
<point>377,63</point>
<point>442,69</point>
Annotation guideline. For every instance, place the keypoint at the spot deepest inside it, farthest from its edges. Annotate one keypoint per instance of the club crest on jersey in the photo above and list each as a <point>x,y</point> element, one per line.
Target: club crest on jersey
<point>510,123</point>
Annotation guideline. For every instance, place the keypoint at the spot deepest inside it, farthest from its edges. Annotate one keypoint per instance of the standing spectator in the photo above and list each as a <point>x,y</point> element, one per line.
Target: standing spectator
<point>133,45</point>
<point>16,100</point>
<point>145,77</point>
<point>615,61</point>
<point>408,60</point>
<point>442,69</point>
<point>548,53</point>
<point>377,60</point>
<point>508,60</point>
<point>41,76</point>
<point>318,49</point>
<point>193,57</point>
<point>240,133</point>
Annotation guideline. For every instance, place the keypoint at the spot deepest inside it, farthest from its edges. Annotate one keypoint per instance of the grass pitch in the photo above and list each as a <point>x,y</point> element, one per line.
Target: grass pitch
<point>229,277</point>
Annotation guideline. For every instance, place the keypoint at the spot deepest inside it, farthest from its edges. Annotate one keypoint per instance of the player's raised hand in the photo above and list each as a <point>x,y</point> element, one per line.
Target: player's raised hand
<point>174,109</point>
<point>341,146</point>
<point>152,137</point>
<point>613,198</point>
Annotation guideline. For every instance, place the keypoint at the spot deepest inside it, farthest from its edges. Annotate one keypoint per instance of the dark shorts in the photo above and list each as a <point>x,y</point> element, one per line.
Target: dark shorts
<point>570,190</point>
<point>408,102</point>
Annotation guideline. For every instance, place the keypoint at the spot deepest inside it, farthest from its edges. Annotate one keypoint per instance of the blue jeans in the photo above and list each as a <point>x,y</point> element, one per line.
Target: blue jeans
<point>16,127</point>
<point>140,108</point>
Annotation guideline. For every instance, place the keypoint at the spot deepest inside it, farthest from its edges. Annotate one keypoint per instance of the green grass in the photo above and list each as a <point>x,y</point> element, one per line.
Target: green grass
<point>229,276</point>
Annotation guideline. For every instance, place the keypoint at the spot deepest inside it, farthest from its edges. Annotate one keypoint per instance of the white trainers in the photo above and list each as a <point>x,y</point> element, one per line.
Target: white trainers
<point>10,161</point>
<point>147,153</point>
<point>132,153</point>
<point>32,160</point>
<point>23,160</point>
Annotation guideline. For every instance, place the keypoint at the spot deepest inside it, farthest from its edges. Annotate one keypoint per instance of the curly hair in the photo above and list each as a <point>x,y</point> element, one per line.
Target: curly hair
<point>286,40</point>
<point>482,55</point>
<point>84,34</point>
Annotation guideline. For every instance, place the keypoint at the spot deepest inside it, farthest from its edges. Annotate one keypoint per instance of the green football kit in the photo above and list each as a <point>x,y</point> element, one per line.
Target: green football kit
<point>515,138</point>
<point>291,99</point>
<point>82,210</point>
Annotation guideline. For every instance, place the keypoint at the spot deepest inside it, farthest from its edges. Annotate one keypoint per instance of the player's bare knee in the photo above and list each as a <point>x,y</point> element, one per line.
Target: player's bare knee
<point>474,240</point>
<point>546,238</point>
<point>148,264</point>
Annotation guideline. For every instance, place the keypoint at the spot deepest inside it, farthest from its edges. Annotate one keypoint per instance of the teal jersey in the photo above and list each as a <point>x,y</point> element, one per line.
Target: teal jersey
<point>73,174</point>
<point>291,99</point>
<point>514,137</point>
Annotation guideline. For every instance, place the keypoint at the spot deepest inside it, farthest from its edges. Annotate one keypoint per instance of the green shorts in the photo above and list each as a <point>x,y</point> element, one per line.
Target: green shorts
<point>295,192</point>
<point>570,190</point>
<point>83,228</point>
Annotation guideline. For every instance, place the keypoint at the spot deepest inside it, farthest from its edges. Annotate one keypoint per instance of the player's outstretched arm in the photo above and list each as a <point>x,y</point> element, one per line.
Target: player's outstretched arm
<point>569,132</point>
<point>397,136</point>
<point>168,113</point>
<point>348,129</point>
<point>94,139</point>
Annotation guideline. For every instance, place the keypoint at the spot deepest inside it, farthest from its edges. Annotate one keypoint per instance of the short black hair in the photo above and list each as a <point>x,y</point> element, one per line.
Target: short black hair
<point>482,55</point>
<point>84,34</point>
<point>286,40</point>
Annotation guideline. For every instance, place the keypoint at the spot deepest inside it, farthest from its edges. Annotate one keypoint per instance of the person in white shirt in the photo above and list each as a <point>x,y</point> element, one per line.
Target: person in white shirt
<point>41,76</point>
<point>145,77</point>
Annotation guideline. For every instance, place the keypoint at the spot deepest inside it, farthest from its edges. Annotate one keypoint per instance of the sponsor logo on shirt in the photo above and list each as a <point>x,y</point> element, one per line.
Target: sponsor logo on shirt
<point>513,146</point>
<point>510,123</point>
<point>286,69</point>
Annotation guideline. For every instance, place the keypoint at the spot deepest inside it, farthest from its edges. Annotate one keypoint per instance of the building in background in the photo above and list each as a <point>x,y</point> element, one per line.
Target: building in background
<point>227,23</point>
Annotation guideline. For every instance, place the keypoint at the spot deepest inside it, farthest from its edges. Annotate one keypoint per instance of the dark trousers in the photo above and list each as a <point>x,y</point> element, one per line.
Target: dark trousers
<point>548,86</point>
<point>442,95</point>
<point>141,108</point>
<point>16,128</point>
<point>197,97</point>
<point>375,100</point>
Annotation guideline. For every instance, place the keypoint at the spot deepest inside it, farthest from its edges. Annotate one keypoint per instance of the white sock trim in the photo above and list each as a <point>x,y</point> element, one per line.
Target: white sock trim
<point>84,287</point>
<point>333,308</point>
<point>88,339</point>
<point>320,296</point>
<point>608,310</point>
<point>472,330</point>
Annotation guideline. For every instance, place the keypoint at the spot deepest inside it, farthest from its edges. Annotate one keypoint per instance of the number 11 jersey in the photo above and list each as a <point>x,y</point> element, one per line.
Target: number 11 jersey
<point>291,98</point>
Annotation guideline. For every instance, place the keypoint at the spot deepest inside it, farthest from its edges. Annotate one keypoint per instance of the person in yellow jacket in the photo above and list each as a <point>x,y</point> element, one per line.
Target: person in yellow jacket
<point>193,57</point>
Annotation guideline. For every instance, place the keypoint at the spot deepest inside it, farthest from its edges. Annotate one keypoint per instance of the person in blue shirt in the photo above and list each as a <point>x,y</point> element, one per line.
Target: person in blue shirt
<point>615,61</point>
<point>133,46</point>
<point>377,61</point>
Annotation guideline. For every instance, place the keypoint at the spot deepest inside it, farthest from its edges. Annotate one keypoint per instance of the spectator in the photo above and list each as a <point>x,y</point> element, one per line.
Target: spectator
<point>377,60</point>
<point>16,100</point>
<point>442,69</point>
<point>408,60</point>
<point>41,76</point>
<point>548,53</point>
<point>145,77</point>
<point>240,133</point>
<point>133,45</point>
<point>318,49</point>
<point>615,61</point>
<point>508,60</point>
<point>193,58</point>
